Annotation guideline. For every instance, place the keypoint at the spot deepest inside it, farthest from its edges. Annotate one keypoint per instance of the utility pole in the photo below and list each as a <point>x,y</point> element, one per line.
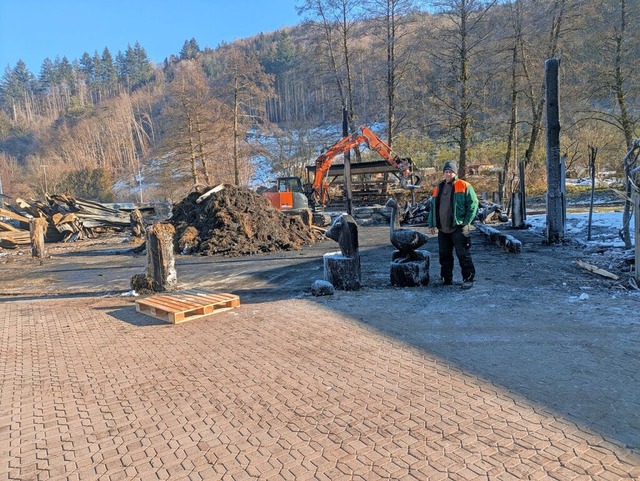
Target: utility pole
<point>1,194</point>
<point>44,171</point>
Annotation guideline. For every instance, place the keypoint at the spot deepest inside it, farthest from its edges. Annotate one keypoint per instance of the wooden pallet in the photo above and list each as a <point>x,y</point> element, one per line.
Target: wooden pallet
<point>185,305</point>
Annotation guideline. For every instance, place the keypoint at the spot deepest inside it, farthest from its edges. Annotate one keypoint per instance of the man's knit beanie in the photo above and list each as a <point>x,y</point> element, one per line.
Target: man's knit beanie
<point>450,165</point>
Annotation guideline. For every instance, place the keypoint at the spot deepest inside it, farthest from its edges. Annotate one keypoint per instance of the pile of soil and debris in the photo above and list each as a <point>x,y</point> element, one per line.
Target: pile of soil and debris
<point>235,221</point>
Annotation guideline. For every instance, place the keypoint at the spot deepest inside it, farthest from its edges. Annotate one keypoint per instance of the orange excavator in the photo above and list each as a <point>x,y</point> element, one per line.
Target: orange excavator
<point>319,190</point>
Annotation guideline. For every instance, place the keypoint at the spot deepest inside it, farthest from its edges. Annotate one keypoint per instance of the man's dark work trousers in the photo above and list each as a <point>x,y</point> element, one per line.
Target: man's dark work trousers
<point>461,243</point>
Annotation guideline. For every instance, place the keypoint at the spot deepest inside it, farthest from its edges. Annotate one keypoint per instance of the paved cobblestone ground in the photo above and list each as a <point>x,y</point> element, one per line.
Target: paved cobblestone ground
<point>285,390</point>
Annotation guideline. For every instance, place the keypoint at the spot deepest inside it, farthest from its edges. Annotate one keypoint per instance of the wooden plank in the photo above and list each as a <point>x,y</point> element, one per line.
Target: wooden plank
<point>597,270</point>
<point>7,227</point>
<point>13,215</point>
<point>11,239</point>
<point>185,305</point>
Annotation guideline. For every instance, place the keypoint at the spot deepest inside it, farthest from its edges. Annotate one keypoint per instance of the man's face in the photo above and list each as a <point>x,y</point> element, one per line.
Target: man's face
<point>448,175</point>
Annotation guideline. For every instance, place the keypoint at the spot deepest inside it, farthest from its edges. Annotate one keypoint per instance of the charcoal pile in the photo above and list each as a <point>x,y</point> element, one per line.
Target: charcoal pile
<point>232,221</point>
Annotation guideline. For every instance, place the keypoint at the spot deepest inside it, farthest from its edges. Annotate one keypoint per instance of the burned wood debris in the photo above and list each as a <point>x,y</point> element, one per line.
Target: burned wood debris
<point>418,213</point>
<point>505,241</point>
<point>69,219</point>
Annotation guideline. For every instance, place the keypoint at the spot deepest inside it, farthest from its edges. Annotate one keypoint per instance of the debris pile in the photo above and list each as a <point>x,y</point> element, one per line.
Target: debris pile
<point>232,221</point>
<point>69,219</point>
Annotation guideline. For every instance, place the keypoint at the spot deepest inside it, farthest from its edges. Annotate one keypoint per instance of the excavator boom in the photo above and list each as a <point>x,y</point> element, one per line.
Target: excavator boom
<point>373,142</point>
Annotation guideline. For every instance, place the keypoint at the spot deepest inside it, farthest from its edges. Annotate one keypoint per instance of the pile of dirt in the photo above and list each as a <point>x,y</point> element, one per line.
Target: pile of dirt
<point>235,221</point>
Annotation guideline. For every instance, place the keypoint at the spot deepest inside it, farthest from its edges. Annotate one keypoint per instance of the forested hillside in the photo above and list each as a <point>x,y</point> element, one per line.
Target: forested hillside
<point>446,79</point>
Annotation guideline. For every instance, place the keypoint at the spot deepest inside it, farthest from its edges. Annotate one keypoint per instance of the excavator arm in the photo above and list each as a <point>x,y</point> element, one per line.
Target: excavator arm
<point>320,186</point>
<point>384,150</point>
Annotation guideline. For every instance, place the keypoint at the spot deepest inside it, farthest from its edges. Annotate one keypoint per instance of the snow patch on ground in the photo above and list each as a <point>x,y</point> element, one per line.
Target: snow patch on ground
<point>605,227</point>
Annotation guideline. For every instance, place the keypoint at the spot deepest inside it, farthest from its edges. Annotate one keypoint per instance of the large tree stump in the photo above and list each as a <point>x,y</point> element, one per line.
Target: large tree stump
<point>410,273</point>
<point>37,230</point>
<point>341,271</point>
<point>160,257</point>
<point>137,224</point>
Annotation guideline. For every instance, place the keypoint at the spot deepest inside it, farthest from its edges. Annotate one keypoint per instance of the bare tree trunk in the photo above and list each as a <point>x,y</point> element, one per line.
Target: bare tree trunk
<point>192,153</point>
<point>593,152</point>
<point>236,172</point>
<point>538,107</point>
<point>201,153</point>
<point>555,200</point>
<point>464,98</point>
<point>625,121</point>
<point>513,120</point>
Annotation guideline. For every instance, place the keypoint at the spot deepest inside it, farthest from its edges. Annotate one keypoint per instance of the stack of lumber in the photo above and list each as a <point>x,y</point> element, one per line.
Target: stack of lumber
<point>69,219</point>
<point>10,236</point>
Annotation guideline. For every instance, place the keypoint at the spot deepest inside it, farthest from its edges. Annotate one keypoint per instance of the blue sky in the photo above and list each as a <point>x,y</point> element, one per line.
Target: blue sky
<point>33,30</point>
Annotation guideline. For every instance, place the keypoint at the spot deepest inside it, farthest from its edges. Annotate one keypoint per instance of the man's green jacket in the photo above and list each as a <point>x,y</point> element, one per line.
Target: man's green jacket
<point>465,203</point>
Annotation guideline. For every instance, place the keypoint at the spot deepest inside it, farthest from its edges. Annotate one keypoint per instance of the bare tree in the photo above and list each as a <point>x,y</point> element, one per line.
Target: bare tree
<point>461,39</point>
<point>516,22</point>
<point>338,21</point>
<point>243,86</point>
<point>189,115</point>
<point>530,57</point>
<point>611,64</point>
<point>395,21</point>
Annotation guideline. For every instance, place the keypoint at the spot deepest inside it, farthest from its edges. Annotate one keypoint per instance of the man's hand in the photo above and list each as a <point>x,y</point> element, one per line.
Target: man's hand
<point>466,230</point>
<point>432,231</point>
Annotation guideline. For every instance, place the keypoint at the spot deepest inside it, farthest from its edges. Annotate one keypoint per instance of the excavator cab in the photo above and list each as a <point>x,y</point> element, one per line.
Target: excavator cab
<point>289,184</point>
<point>288,194</point>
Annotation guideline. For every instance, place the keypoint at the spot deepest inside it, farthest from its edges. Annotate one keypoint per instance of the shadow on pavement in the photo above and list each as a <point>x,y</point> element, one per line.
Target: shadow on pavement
<point>527,336</point>
<point>517,328</point>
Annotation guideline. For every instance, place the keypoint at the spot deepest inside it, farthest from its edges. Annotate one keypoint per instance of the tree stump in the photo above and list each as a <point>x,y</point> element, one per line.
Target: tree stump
<point>137,224</point>
<point>160,258</point>
<point>37,229</point>
<point>343,272</point>
<point>410,273</point>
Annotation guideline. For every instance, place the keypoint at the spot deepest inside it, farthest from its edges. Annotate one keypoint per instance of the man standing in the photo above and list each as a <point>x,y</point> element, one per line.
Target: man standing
<point>454,206</point>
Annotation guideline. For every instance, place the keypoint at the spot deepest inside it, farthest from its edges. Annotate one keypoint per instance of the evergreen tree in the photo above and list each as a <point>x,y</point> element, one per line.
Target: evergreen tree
<point>122,69</point>
<point>16,88</point>
<point>285,52</point>
<point>134,67</point>
<point>189,50</point>
<point>87,67</point>
<point>46,78</point>
<point>64,75</point>
<point>107,74</point>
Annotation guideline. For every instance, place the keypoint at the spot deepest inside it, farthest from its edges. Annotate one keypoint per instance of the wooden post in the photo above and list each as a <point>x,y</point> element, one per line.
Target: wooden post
<point>523,192</point>
<point>637,235</point>
<point>37,230</point>
<point>517,220</point>
<point>137,224</point>
<point>347,166</point>
<point>592,168</point>
<point>160,258</point>
<point>555,201</point>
